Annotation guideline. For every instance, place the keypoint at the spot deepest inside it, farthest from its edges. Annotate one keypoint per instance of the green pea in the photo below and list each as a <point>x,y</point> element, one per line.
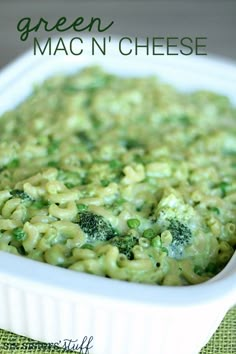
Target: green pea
<point>133,223</point>
<point>149,233</point>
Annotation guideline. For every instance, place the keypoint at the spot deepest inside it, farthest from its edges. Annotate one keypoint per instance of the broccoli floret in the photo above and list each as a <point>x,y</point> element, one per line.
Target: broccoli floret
<point>124,244</point>
<point>17,193</point>
<point>181,233</point>
<point>19,234</point>
<point>95,227</point>
<point>181,236</point>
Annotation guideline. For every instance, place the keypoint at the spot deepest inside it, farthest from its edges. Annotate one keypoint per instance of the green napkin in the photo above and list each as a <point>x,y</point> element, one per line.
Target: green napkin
<point>222,342</point>
<point>224,339</point>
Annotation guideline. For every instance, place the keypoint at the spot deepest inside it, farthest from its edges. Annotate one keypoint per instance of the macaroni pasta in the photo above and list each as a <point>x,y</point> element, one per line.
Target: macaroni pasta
<point>120,177</point>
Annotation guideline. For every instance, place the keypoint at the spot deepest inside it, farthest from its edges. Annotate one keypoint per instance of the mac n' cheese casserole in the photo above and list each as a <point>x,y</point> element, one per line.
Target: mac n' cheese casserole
<point>120,177</point>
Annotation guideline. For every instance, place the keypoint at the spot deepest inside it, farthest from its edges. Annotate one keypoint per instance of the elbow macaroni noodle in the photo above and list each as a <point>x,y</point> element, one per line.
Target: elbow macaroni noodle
<point>156,164</point>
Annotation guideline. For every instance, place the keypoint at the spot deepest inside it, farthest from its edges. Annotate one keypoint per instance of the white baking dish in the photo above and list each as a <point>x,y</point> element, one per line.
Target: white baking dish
<point>51,304</point>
